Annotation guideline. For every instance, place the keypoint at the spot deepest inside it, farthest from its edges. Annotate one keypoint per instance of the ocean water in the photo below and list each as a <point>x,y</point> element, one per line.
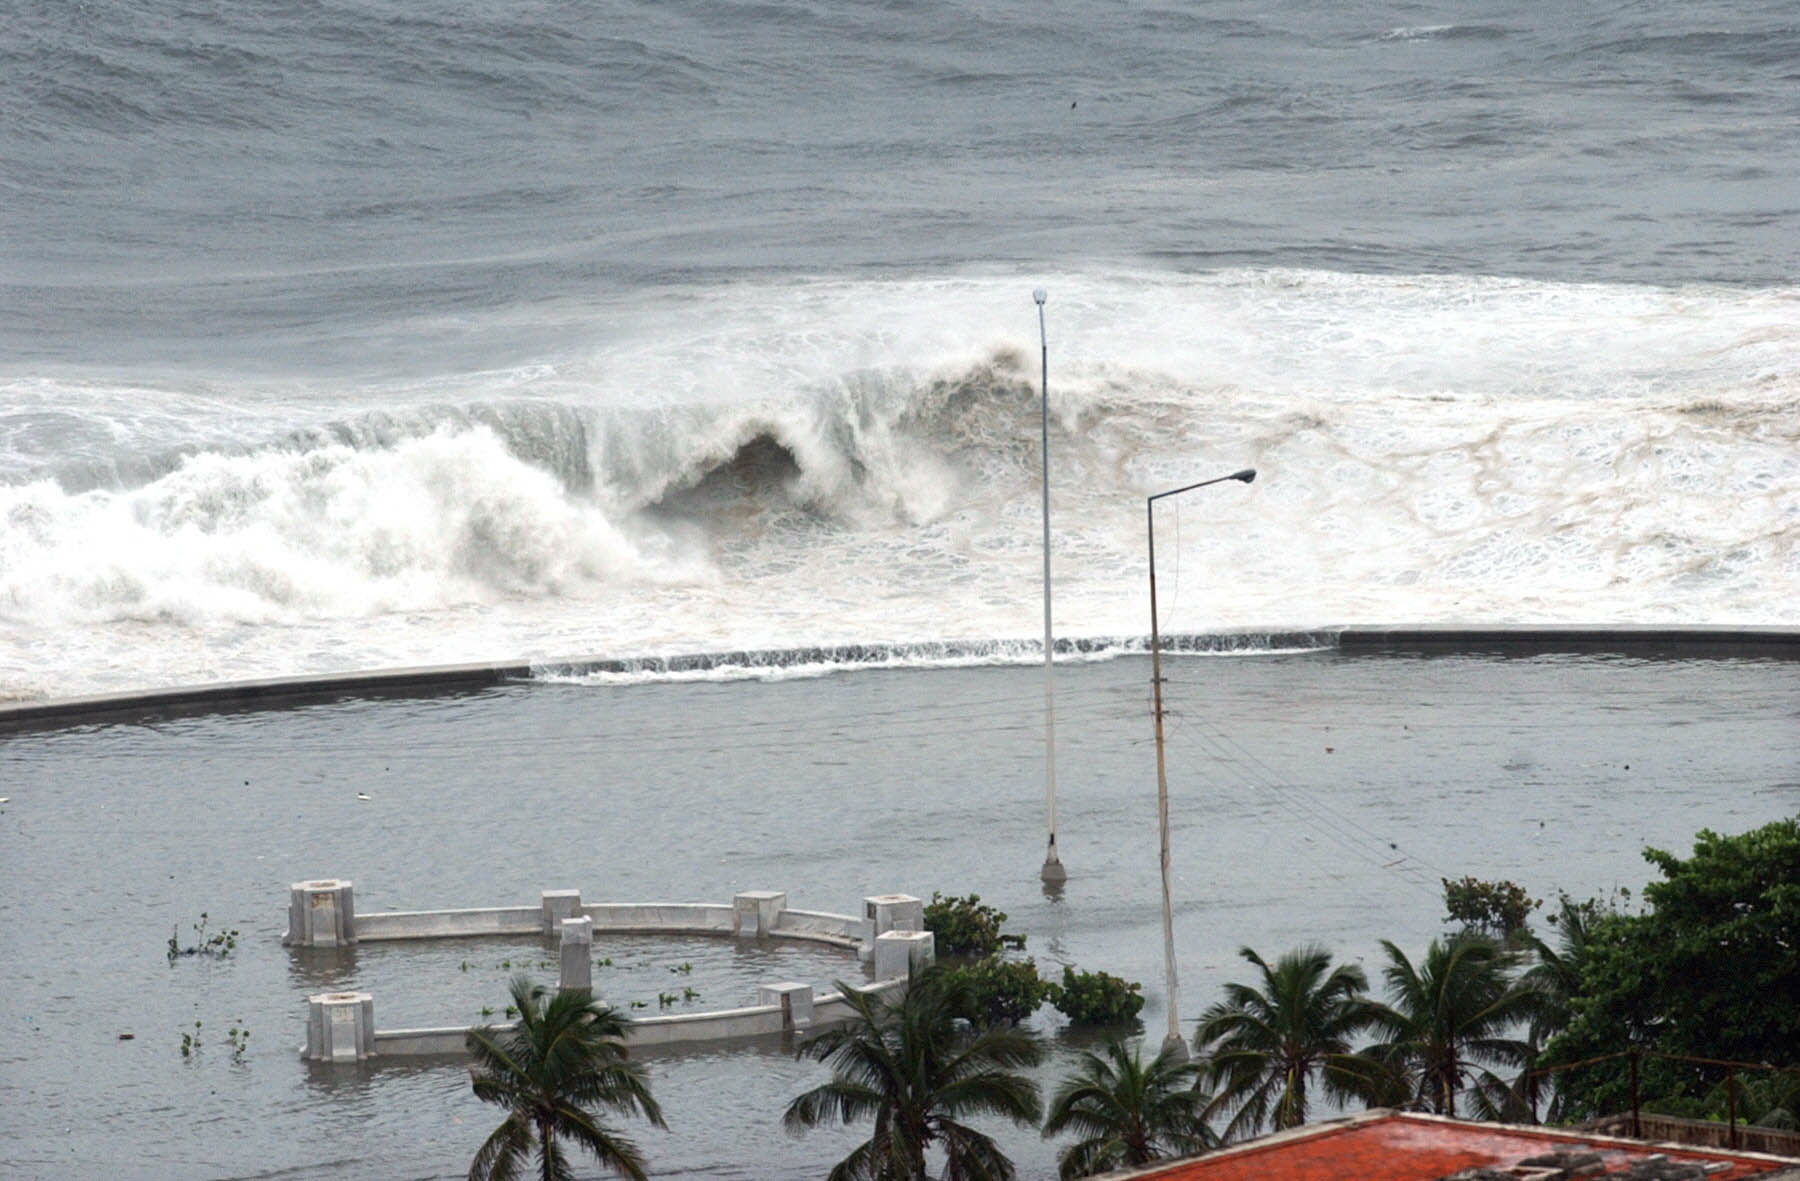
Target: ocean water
<point>351,333</point>
<point>1314,798</point>
<point>346,334</point>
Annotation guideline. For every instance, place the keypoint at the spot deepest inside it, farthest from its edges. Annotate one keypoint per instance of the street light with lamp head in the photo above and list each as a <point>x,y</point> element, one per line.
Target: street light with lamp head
<point>1053,872</point>
<point>1172,1044</point>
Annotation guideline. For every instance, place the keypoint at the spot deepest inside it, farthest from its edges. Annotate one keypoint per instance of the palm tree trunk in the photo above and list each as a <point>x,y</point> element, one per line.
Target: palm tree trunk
<point>546,1149</point>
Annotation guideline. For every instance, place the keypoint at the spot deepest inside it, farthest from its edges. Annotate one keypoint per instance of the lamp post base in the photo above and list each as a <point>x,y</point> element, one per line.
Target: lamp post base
<point>1175,1048</point>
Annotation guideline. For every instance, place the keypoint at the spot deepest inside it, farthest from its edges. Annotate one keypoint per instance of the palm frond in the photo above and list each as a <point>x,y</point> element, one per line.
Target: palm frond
<point>837,1101</point>
<point>564,1056</point>
<point>1097,1154</point>
<point>1267,1044</point>
<point>906,1063</point>
<point>971,1156</point>
<point>501,1154</point>
<point>612,1150</point>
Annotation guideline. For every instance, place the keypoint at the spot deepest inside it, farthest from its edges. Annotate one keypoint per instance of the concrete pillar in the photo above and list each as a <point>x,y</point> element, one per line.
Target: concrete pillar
<point>340,1027</point>
<point>321,914</point>
<point>559,905</point>
<point>889,912</point>
<point>756,912</point>
<point>899,951</point>
<point>893,912</point>
<point>796,1001</point>
<point>577,953</point>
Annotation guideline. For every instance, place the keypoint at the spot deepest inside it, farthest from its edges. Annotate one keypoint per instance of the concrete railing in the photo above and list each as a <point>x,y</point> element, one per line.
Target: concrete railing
<point>748,1023</point>
<point>447,924</point>
<point>340,1025</point>
<point>322,913</point>
<point>422,1043</point>
<point>1702,1133</point>
<point>661,918</point>
<point>822,927</point>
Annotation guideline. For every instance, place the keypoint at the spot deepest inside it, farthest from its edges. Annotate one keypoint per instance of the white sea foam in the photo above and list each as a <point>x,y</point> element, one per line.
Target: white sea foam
<point>836,462</point>
<point>1416,32</point>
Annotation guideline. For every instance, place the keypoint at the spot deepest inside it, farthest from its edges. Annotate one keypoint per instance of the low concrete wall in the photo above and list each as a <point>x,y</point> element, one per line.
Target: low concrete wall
<point>719,1025</point>
<point>644,1033</point>
<point>1775,641</point>
<point>269,693</point>
<point>1701,1133</point>
<point>448,924</point>
<point>619,918</point>
<point>420,1043</point>
<point>816,925</point>
<point>783,1006</point>
<point>659,918</point>
<point>662,918</point>
<point>1531,639</point>
<point>833,1008</point>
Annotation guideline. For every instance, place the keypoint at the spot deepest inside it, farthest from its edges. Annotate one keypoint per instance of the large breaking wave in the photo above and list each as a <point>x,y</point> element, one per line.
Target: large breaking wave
<point>858,463</point>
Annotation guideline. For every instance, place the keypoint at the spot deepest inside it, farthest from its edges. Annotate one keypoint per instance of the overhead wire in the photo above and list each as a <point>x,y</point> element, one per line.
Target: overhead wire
<point>1332,823</point>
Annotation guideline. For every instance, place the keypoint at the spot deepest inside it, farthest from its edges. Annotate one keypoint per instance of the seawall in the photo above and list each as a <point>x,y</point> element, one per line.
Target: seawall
<point>1721,642</point>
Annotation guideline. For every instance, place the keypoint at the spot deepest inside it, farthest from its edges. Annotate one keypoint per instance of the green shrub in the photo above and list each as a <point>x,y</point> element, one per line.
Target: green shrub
<point>964,927</point>
<point>1779,1118</point>
<point>1679,1106</point>
<point>1000,992</point>
<point>1710,969</point>
<point>1766,1100</point>
<point>1496,908</point>
<point>1096,998</point>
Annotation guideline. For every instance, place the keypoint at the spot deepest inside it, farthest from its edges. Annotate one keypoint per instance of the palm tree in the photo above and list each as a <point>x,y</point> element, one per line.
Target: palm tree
<point>1266,1046</point>
<point>565,1057</point>
<point>908,1064</point>
<point>1450,1015</point>
<point>1554,982</point>
<point>1130,1112</point>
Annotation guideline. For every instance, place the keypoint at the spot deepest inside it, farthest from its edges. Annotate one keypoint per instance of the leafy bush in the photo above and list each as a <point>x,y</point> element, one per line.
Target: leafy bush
<point>1711,969</point>
<point>1497,908</point>
<point>1764,1101</point>
<point>1000,992</point>
<point>1097,998</point>
<point>964,927</point>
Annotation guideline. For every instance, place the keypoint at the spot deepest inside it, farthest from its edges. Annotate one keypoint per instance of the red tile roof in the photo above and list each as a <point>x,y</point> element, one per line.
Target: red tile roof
<point>1394,1146</point>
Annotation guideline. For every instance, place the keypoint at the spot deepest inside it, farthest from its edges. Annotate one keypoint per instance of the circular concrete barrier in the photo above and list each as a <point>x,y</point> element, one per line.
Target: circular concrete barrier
<point>889,936</point>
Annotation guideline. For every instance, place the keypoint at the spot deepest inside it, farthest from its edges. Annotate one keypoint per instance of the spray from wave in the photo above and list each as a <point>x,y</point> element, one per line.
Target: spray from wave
<point>846,464</point>
<point>437,506</point>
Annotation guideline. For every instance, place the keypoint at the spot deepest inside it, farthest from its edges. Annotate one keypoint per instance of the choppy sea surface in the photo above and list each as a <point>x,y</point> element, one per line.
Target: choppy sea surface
<point>349,334</point>
<point>346,334</point>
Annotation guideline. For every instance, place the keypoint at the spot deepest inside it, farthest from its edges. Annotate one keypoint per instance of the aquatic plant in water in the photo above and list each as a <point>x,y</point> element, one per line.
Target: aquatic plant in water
<point>217,944</point>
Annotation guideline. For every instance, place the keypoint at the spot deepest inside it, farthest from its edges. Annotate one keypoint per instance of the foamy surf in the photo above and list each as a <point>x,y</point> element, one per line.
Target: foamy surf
<point>811,662</point>
<point>831,463</point>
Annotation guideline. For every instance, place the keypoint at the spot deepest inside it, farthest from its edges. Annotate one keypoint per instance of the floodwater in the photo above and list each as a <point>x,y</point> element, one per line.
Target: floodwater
<point>1315,797</point>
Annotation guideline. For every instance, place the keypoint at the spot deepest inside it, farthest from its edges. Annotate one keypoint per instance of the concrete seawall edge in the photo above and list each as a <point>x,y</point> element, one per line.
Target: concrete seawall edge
<point>1722,642</point>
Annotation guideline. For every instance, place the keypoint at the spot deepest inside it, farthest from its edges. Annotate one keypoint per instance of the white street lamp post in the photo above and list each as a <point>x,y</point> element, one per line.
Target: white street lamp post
<point>1053,872</point>
<point>1173,1042</point>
